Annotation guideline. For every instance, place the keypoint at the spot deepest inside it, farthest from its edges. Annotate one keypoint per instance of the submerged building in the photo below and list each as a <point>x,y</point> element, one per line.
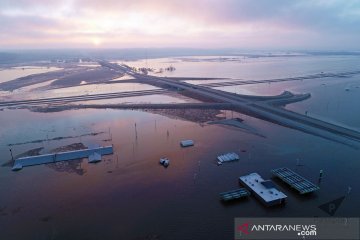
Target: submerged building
<point>264,190</point>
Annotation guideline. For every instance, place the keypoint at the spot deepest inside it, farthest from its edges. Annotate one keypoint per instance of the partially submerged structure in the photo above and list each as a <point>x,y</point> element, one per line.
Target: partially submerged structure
<point>264,190</point>
<point>164,161</point>
<point>187,143</point>
<point>234,194</point>
<point>93,155</point>
<point>296,181</point>
<point>228,157</point>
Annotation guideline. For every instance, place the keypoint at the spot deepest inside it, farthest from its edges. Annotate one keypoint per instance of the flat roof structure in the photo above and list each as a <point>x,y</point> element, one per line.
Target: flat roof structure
<point>91,153</point>
<point>296,181</point>
<point>264,190</point>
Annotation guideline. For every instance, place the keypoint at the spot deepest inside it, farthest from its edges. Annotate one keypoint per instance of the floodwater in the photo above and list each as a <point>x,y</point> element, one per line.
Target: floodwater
<point>42,90</point>
<point>248,68</point>
<point>130,196</point>
<point>17,72</point>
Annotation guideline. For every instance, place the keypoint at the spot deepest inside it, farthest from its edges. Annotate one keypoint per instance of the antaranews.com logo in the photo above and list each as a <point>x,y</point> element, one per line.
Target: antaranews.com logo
<point>297,228</point>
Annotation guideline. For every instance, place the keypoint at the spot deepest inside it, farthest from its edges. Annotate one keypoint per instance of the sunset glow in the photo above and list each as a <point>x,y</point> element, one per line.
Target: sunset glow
<point>158,23</point>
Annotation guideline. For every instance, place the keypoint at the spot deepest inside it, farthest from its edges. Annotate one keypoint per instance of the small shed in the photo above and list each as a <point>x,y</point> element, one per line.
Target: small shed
<point>187,143</point>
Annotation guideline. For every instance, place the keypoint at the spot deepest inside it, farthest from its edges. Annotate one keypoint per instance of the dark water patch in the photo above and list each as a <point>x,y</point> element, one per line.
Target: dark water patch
<point>46,218</point>
<point>16,210</point>
<point>233,203</point>
<point>2,211</point>
<point>149,237</point>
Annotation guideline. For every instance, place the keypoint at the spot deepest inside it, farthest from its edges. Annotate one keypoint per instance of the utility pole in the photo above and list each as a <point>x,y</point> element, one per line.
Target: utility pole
<point>12,157</point>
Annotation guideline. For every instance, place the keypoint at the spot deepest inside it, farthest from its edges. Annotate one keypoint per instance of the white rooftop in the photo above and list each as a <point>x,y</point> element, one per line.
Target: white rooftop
<point>263,188</point>
<point>93,154</point>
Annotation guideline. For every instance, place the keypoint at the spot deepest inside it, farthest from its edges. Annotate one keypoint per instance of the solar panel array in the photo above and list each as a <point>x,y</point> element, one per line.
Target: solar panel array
<point>296,181</point>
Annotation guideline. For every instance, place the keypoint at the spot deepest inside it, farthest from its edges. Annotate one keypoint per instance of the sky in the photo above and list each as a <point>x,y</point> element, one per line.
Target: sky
<point>243,24</point>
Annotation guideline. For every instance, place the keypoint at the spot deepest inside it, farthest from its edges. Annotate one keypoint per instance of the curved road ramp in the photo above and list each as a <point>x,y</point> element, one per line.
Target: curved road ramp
<point>93,154</point>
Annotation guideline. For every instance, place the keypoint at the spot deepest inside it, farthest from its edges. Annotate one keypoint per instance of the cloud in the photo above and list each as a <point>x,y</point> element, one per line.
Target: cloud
<point>201,23</point>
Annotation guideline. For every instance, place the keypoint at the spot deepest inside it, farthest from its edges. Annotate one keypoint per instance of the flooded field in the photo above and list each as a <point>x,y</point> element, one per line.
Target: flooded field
<point>129,195</point>
<point>247,68</point>
<point>17,72</point>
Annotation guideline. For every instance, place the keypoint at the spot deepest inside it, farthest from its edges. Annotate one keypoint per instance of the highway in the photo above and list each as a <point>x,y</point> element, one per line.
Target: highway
<point>143,106</point>
<point>268,108</point>
<point>307,77</point>
<point>259,109</point>
<point>81,98</point>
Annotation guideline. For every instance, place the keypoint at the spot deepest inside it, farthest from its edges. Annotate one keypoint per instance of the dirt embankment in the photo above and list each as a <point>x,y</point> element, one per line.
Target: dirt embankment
<point>192,115</point>
<point>67,77</point>
<point>70,147</point>
<point>97,75</point>
<point>36,78</point>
